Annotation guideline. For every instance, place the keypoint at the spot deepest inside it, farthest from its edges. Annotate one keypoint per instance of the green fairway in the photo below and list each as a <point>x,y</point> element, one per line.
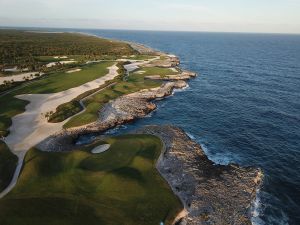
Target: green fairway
<point>119,186</point>
<point>93,104</point>
<point>149,71</point>
<point>56,82</point>
<point>8,163</point>
<point>63,81</point>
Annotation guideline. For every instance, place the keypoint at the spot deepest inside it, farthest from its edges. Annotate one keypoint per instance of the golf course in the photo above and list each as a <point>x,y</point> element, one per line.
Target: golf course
<point>118,186</point>
<point>77,76</point>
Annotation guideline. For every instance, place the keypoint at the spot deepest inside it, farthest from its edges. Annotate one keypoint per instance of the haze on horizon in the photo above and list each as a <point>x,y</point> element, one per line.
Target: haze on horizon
<point>266,16</point>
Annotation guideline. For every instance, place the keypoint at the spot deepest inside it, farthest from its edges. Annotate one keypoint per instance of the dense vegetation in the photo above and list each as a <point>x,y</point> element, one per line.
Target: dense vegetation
<point>8,163</point>
<point>24,48</point>
<point>119,186</point>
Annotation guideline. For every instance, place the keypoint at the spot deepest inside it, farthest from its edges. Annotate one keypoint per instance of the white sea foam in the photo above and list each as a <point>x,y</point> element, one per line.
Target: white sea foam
<point>221,158</point>
<point>257,210</point>
<point>190,136</point>
<point>181,89</point>
<point>116,129</point>
<point>149,115</point>
<point>263,201</point>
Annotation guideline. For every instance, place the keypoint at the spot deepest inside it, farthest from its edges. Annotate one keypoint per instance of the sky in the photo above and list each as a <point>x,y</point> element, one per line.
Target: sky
<point>264,16</point>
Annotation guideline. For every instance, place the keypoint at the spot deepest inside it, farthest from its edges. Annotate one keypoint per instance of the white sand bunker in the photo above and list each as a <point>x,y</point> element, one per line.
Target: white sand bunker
<point>60,57</point>
<point>73,71</point>
<point>61,62</point>
<point>20,77</point>
<point>100,149</point>
<point>140,72</point>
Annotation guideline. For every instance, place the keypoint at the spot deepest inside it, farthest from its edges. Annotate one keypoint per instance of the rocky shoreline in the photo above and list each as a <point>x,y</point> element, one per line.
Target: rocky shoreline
<point>120,111</point>
<point>211,194</point>
<point>125,108</point>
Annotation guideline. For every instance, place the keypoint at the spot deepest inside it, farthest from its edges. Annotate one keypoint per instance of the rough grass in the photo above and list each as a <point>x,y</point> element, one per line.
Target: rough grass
<point>93,104</point>
<point>140,57</point>
<point>56,82</point>
<point>65,111</point>
<point>8,163</point>
<point>119,186</point>
<point>10,107</point>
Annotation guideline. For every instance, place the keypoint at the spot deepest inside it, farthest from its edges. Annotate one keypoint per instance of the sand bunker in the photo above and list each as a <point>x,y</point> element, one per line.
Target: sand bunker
<point>140,72</point>
<point>19,77</point>
<point>100,149</point>
<point>73,71</point>
<point>60,57</point>
<point>61,62</point>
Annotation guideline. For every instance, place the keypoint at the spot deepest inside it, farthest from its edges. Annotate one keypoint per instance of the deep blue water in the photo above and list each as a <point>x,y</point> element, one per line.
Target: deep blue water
<point>244,106</point>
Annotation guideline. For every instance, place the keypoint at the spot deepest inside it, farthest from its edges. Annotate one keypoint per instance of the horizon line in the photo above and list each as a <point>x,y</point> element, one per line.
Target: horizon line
<point>147,30</point>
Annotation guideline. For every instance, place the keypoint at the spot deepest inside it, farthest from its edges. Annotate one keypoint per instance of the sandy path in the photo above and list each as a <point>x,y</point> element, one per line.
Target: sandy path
<point>15,177</point>
<point>31,127</point>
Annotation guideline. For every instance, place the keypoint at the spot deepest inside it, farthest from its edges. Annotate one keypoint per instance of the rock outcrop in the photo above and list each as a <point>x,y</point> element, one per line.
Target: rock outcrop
<point>211,194</point>
<point>128,107</point>
<point>116,112</point>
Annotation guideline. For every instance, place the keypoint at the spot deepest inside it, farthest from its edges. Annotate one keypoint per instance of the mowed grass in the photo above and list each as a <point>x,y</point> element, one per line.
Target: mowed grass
<point>119,186</point>
<point>149,71</point>
<point>93,104</point>
<point>8,163</point>
<point>63,81</point>
<point>11,106</point>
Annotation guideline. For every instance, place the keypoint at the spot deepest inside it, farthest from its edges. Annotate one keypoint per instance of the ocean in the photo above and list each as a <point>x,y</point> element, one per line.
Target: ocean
<point>244,107</point>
